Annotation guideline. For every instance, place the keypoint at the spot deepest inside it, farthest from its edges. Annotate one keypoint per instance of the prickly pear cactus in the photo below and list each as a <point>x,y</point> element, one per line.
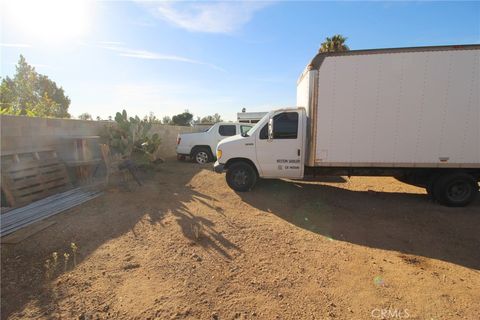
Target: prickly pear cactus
<point>130,137</point>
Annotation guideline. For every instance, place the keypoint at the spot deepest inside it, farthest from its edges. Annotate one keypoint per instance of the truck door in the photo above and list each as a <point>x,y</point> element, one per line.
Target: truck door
<point>281,155</point>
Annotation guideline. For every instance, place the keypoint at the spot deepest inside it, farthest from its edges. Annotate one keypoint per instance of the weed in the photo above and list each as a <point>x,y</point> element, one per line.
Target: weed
<point>74,250</point>
<point>55,261</point>
<point>197,229</point>
<point>48,269</point>
<point>66,256</point>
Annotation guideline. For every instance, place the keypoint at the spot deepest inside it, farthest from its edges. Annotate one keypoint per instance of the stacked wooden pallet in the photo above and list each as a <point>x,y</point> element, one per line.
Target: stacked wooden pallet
<point>28,176</point>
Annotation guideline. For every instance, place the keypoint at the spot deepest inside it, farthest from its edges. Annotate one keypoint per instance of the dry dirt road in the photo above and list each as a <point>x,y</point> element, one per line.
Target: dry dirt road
<point>185,246</point>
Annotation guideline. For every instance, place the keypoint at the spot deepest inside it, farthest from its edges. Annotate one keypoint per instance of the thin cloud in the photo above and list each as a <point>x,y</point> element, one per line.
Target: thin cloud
<point>211,17</point>
<point>15,45</point>
<point>111,43</point>
<point>149,55</point>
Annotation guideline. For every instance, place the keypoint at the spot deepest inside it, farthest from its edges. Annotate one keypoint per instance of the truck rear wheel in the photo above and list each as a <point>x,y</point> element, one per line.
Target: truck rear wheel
<point>202,155</point>
<point>455,189</point>
<point>241,176</point>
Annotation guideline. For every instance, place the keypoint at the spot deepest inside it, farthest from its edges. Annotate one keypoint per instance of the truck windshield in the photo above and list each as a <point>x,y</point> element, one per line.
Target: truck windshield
<point>256,126</point>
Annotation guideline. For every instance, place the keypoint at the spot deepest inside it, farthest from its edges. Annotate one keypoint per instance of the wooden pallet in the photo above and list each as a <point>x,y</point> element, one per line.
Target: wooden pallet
<point>28,176</point>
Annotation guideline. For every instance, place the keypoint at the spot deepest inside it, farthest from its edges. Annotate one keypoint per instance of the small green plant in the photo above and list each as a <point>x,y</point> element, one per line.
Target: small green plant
<point>55,261</point>
<point>66,256</point>
<point>74,251</point>
<point>197,229</point>
<point>48,269</point>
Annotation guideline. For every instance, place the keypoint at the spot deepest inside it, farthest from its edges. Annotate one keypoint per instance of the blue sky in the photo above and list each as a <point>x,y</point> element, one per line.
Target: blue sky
<point>208,57</point>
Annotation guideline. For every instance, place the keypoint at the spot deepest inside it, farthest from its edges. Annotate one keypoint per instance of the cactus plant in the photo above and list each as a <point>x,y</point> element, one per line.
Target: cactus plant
<point>130,137</point>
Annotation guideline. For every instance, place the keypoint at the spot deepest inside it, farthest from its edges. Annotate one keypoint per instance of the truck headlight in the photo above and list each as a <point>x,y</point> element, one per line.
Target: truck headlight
<point>219,153</point>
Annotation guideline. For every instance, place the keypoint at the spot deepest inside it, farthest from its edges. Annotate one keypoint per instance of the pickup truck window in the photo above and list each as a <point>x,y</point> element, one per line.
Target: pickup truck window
<point>285,125</point>
<point>244,129</point>
<point>227,130</point>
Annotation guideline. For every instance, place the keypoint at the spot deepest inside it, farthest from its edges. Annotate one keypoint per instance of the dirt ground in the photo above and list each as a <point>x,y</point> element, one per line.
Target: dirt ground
<point>185,246</point>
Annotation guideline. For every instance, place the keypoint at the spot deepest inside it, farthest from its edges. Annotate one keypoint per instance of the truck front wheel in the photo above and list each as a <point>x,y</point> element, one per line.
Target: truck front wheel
<point>455,189</point>
<point>241,176</point>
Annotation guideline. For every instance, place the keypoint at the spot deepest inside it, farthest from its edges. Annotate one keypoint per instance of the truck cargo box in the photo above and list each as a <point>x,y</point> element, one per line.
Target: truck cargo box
<point>406,107</point>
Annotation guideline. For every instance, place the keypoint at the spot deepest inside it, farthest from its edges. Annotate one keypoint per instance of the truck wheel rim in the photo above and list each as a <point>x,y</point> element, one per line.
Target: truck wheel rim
<point>458,191</point>
<point>240,177</point>
<point>202,157</point>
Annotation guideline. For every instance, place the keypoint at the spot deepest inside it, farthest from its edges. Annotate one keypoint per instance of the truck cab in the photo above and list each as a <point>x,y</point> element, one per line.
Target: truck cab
<point>273,148</point>
<point>200,146</point>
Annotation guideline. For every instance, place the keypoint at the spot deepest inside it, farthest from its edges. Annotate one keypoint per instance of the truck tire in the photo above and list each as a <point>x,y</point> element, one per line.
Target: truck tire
<point>202,155</point>
<point>241,176</point>
<point>456,189</point>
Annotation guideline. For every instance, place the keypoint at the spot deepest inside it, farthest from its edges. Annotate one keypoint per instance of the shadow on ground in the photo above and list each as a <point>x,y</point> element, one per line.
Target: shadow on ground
<point>404,222</point>
<point>95,223</point>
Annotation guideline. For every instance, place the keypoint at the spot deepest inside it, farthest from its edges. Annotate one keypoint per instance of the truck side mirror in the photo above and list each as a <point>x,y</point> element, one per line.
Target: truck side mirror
<point>270,129</point>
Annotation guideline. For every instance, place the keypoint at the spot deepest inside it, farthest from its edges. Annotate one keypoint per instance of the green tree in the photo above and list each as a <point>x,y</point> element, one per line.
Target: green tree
<point>166,120</point>
<point>31,93</point>
<point>209,119</point>
<point>152,118</point>
<point>182,119</point>
<point>85,116</point>
<point>334,44</point>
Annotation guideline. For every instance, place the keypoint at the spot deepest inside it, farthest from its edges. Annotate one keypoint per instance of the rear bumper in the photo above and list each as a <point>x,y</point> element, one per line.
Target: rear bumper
<point>218,167</point>
<point>183,150</point>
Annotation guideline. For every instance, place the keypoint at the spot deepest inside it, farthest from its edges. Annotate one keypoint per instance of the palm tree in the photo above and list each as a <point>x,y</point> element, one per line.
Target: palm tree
<point>334,44</point>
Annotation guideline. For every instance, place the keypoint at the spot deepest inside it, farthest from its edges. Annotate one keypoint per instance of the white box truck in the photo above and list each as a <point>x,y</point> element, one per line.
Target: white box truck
<point>411,113</point>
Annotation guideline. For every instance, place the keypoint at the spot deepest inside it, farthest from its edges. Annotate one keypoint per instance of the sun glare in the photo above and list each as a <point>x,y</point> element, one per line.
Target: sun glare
<point>47,20</point>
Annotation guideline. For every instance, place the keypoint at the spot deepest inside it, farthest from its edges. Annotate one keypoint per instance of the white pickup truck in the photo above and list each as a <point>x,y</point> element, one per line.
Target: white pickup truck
<point>200,146</point>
